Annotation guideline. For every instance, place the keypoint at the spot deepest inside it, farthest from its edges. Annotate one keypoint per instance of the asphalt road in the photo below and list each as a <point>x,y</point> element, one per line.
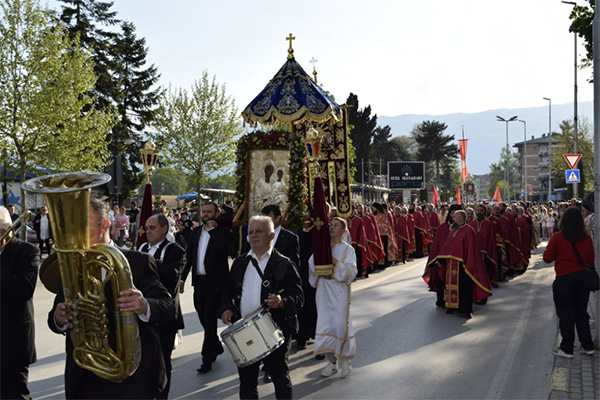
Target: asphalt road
<point>406,347</point>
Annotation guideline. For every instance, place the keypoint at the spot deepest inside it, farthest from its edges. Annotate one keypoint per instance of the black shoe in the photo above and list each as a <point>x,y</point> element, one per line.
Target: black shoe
<point>320,356</point>
<point>267,378</point>
<point>204,368</point>
<point>468,316</point>
<point>450,311</point>
<point>301,346</point>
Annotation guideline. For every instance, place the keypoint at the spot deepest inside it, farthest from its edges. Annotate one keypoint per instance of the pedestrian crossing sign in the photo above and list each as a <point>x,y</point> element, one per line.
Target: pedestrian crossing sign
<point>572,176</point>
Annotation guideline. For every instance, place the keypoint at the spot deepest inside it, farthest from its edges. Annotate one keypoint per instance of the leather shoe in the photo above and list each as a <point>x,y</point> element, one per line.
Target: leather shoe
<point>204,368</point>
<point>267,378</point>
<point>320,356</point>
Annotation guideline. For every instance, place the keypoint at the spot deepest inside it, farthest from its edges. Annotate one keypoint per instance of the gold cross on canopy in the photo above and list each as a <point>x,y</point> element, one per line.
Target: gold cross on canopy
<point>290,50</point>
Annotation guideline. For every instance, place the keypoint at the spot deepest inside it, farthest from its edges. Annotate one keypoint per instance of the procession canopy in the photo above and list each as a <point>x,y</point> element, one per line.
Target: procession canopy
<point>291,96</point>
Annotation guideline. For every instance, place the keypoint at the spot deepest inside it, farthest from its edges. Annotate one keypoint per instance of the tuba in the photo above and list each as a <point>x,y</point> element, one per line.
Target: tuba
<point>86,273</point>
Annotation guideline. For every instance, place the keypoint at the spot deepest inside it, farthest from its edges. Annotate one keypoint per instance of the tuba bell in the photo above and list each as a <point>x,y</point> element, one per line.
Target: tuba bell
<point>86,274</point>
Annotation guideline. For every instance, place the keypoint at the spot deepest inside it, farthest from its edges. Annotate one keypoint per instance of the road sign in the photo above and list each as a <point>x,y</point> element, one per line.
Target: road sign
<point>572,159</point>
<point>572,176</point>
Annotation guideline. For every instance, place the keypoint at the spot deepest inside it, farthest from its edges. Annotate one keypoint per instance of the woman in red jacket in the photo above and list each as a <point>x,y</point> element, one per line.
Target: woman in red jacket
<point>570,296</point>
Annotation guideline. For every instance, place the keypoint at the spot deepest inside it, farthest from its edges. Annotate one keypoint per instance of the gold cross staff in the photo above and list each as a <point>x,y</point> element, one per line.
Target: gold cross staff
<point>290,50</point>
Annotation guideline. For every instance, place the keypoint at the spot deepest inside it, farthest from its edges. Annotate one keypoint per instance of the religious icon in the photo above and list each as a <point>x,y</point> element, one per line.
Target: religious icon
<point>268,179</point>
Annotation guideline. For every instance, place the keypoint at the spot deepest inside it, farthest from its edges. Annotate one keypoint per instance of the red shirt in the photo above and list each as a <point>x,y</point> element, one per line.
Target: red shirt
<point>560,251</point>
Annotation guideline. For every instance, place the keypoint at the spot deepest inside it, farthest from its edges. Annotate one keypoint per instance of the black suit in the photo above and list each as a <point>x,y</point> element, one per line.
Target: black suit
<point>170,261</point>
<point>290,285</point>
<point>208,288</point>
<point>287,243</point>
<point>150,378</point>
<point>19,262</point>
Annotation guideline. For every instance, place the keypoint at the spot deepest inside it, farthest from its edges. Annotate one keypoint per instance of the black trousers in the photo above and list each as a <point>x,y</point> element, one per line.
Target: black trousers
<point>206,303</point>
<point>418,243</point>
<point>45,243</point>
<point>14,383</point>
<point>167,340</point>
<point>571,301</point>
<point>277,364</point>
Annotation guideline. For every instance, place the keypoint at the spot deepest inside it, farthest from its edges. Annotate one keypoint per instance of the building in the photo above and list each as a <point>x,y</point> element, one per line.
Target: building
<point>482,183</point>
<point>534,162</point>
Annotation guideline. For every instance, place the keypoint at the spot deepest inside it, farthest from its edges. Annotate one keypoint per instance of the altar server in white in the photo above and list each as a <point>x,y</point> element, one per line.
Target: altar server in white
<point>335,334</point>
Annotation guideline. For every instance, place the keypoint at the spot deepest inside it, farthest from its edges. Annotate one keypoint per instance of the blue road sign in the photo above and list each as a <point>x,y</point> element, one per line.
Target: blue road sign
<point>572,176</point>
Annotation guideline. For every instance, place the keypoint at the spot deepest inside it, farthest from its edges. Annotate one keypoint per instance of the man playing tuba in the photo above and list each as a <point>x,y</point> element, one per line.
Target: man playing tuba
<point>153,305</point>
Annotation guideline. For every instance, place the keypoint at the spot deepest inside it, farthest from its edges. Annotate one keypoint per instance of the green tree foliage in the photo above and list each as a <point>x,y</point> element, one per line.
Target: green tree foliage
<point>124,80</point>
<point>168,181</point>
<point>585,147</point>
<point>363,130</point>
<point>435,148</point>
<point>497,175</point>
<point>135,100</point>
<point>581,18</point>
<point>196,129</point>
<point>47,117</point>
<point>223,181</point>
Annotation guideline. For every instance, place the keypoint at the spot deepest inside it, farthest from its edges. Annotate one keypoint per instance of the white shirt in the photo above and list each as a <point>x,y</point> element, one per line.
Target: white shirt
<point>277,230</point>
<point>44,227</point>
<point>202,246</point>
<point>252,285</point>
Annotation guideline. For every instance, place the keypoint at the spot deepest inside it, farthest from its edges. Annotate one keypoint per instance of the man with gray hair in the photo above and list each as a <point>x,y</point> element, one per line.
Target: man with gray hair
<point>264,277</point>
<point>19,262</point>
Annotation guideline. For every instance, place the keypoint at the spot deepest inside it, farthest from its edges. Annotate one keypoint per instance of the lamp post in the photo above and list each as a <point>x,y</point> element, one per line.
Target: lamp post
<point>525,156</point>
<point>575,185</point>
<point>506,175</point>
<point>549,148</point>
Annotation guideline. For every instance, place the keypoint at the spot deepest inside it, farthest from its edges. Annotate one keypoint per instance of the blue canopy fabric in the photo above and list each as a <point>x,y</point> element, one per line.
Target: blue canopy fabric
<point>189,196</point>
<point>291,96</point>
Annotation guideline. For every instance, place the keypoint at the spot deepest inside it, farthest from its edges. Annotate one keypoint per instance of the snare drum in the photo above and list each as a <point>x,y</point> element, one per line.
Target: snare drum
<point>253,338</point>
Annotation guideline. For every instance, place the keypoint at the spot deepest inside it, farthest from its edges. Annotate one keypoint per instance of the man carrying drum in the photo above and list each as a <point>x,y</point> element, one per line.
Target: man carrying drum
<point>264,278</point>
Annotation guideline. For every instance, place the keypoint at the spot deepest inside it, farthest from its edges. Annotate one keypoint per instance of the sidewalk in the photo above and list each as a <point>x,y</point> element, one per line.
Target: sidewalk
<point>578,377</point>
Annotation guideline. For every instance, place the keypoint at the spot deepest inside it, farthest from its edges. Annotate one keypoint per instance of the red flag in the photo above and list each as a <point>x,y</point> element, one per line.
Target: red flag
<point>145,213</point>
<point>497,196</point>
<point>458,195</point>
<point>463,158</point>
<point>321,238</point>
<point>436,196</point>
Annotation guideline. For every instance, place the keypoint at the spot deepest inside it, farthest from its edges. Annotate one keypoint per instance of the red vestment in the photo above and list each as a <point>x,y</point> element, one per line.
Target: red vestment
<point>513,249</point>
<point>487,244</point>
<point>432,266</point>
<point>373,238</point>
<point>525,238</point>
<point>359,241</point>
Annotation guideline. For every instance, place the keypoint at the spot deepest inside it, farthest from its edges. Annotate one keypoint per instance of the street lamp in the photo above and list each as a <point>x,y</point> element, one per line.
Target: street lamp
<point>506,175</point>
<point>549,148</point>
<point>575,185</point>
<point>525,156</point>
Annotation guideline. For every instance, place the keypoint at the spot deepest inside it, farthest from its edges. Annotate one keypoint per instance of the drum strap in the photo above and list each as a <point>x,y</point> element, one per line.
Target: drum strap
<point>265,282</point>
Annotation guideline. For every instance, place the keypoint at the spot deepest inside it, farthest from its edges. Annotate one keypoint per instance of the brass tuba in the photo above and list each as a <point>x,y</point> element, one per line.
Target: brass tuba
<point>23,220</point>
<point>86,273</point>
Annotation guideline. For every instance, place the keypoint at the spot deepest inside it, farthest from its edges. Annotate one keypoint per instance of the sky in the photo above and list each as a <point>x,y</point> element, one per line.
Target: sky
<point>432,57</point>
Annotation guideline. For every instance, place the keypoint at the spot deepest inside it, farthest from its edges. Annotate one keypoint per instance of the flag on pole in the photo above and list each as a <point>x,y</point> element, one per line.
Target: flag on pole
<point>145,213</point>
<point>497,195</point>
<point>463,158</point>
<point>436,196</point>
<point>458,194</point>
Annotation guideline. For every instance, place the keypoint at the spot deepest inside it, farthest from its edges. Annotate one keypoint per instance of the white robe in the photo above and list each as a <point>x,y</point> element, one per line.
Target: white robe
<point>335,333</point>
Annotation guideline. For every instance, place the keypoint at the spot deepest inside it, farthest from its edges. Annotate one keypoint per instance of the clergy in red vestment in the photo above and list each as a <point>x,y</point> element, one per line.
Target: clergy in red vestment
<point>435,272</point>
<point>420,230</point>
<point>501,259</point>
<point>402,233</point>
<point>373,238</point>
<point>487,242</point>
<point>434,219</point>
<point>387,234</point>
<point>359,243</point>
<point>466,279</point>
<point>524,227</point>
<point>513,249</point>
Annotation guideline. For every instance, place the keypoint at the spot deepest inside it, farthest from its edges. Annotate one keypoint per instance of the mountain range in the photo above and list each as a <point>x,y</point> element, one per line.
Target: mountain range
<point>487,135</point>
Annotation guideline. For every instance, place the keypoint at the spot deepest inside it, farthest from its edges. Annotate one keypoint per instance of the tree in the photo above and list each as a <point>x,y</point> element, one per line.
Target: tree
<point>581,23</point>
<point>135,100</point>
<point>362,132</point>
<point>497,175</point>
<point>434,147</point>
<point>168,181</point>
<point>196,130</point>
<point>585,147</point>
<point>47,116</point>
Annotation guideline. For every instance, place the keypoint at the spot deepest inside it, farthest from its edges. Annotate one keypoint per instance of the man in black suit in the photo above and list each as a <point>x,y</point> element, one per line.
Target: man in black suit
<point>280,290</point>
<point>153,305</point>
<point>19,262</point>
<point>170,261</point>
<point>207,255</point>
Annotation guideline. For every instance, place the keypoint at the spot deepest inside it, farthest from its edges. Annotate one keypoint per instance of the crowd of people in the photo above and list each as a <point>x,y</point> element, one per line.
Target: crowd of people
<point>470,250</point>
